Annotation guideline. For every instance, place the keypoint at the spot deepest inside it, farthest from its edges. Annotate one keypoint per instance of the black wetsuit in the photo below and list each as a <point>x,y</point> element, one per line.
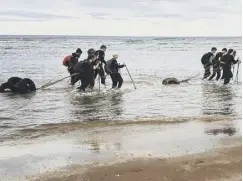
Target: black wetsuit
<point>115,75</point>
<point>216,66</point>
<point>228,61</point>
<point>206,63</point>
<point>100,69</point>
<point>86,74</point>
<point>71,63</point>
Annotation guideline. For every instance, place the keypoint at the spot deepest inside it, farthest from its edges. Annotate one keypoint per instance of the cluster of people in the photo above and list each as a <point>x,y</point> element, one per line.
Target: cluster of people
<point>221,61</point>
<point>87,70</point>
<point>95,64</point>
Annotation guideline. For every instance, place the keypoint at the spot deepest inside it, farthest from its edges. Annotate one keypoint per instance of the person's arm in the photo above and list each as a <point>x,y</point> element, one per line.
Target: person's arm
<point>117,65</point>
<point>74,60</point>
<point>211,59</point>
<point>121,66</point>
<point>222,60</point>
<point>103,60</point>
<point>234,61</point>
<point>96,66</point>
<point>215,60</point>
<point>97,63</point>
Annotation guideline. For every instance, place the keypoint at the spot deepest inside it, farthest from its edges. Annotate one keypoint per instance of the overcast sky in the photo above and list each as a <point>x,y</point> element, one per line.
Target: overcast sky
<point>121,17</point>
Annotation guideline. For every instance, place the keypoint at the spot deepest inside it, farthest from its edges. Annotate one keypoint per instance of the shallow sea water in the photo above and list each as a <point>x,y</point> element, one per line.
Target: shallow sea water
<point>38,121</point>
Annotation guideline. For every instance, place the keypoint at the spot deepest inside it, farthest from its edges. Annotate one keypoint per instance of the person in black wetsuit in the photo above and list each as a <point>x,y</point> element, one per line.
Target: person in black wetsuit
<point>72,60</point>
<point>86,72</point>
<point>115,75</point>
<point>100,61</point>
<point>227,61</point>
<point>216,64</point>
<point>206,60</point>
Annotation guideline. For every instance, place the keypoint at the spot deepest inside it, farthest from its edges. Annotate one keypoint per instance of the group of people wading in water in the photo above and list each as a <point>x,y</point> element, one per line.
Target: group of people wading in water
<point>221,61</point>
<point>87,70</point>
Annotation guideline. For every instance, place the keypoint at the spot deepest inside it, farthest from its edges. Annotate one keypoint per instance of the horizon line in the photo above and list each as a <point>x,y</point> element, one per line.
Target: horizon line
<point>177,36</point>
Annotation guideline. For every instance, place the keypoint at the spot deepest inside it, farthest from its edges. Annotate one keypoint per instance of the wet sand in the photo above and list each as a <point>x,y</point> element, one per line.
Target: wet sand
<point>221,165</point>
<point>86,147</point>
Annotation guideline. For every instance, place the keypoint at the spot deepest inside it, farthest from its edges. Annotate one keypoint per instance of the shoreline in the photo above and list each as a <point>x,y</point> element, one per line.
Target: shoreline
<point>220,164</point>
<point>48,129</point>
<point>113,144</point>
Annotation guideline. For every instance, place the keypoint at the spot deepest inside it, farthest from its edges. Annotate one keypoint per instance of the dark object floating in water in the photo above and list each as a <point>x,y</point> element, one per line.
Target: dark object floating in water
<point>171,80</point>
<point>227,131</point>
<point>18,85</point>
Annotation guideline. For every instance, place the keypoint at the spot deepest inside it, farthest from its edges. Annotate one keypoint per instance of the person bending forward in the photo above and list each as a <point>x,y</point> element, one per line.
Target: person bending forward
<point>86,72</point>
<point>228,60</point>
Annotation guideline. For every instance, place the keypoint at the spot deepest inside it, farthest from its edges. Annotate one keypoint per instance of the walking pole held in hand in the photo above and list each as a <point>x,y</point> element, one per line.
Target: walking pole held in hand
<point>130,77</point>
<point>99,82</point>
<point>237,74</point>
<point>233,72</point>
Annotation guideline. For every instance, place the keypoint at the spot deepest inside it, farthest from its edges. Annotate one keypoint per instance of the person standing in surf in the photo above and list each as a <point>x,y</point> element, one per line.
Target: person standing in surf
<point>112,68</point>
<point>216,64</point>
<point>101,60</point>
<point>70,61</point>
<point>206,60</point>
<point>227,60</point>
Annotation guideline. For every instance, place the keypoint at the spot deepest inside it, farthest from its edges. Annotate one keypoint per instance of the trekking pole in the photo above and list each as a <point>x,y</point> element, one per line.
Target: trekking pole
<point>130,77</point>
<point>237,74</point>
<point>99,82</point>
<point>233,72</point>
<point>105,81</point>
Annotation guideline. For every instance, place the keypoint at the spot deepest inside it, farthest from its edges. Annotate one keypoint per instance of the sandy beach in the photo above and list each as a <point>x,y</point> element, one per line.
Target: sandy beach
<point>172,159</point>
<point>200,150</point>
<point>220,165</point>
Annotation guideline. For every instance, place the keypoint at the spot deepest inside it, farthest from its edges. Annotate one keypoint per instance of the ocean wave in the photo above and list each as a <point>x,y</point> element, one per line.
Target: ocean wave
<point>6,118</point>
<point>61,128</point>
<point>96,93</point>
<point>163,43</point>
<point>131,41</point>
<point>169,38</point>
<point>8,48</point>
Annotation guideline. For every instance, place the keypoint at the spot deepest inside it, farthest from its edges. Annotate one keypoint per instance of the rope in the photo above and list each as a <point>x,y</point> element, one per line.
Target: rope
<point>52,83</point>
